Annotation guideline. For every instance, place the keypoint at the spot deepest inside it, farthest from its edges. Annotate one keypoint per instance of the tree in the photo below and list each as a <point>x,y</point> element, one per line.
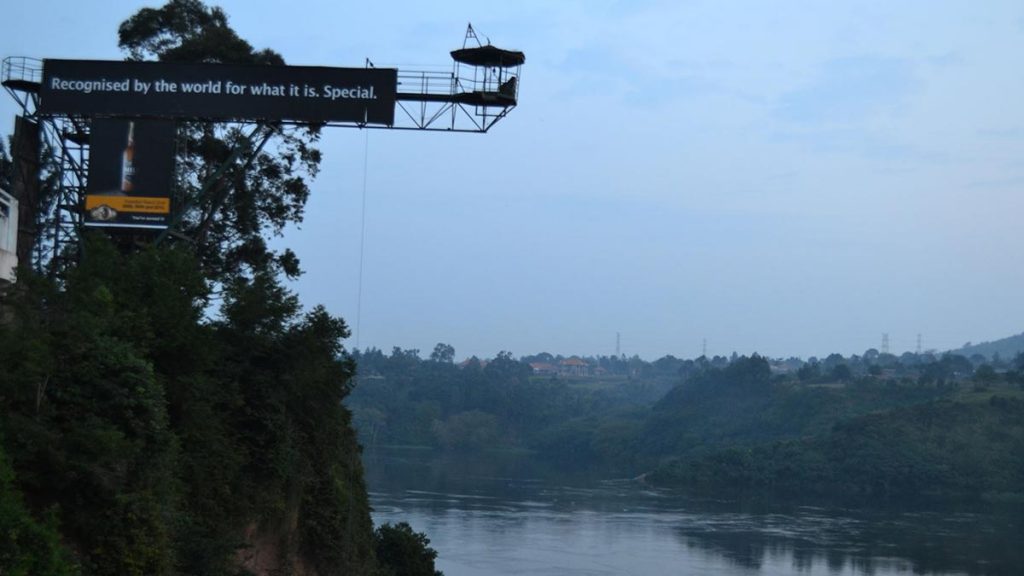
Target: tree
<point>985,374</point>
<point>86,410</point>
<point>443,353</point>
<point>841,372</point>
<point>403,360</point>
<point>505,368</point>
<point>956,366</point>
<point>6,166</point>
<point>263,189</point>
<point>809,371</point>
<point>30,546</point>
<point>404,552</point>
<point>667,365</point>
<point>832,361</point>
<point>471,430</point>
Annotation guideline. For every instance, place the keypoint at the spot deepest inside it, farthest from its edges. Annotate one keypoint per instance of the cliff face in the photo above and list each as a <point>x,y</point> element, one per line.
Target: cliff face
<point>263,553</point>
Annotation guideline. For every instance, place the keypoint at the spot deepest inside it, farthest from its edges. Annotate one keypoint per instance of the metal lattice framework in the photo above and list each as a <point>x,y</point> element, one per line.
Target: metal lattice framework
<point>65,164</point>
<point>481,88</point>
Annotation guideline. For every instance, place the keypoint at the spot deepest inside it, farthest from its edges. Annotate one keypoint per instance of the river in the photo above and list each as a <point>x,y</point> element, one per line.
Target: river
<point>499,516</point>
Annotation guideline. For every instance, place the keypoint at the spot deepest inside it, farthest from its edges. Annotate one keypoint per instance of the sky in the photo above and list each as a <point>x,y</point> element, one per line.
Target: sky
<point>791,178</point>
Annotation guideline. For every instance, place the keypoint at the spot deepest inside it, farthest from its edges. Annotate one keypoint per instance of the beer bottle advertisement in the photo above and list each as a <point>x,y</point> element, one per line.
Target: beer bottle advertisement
<point>131,170</point>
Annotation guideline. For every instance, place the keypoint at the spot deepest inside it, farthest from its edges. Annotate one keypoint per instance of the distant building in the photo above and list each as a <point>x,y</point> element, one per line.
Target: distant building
<point>574,366</point>
<point>544,369</point>
<point>788,366</point>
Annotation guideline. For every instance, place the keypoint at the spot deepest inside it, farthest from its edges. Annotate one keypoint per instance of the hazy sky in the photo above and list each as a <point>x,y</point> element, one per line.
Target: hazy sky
<point>790,178</point>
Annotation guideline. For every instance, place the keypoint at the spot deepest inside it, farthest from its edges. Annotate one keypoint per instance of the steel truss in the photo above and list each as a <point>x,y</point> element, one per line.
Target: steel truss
<point>64,167</point>
<point>472,97</point>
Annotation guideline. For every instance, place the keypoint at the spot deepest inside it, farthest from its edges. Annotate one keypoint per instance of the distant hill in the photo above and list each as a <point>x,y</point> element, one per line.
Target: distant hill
<point>1007,348</point>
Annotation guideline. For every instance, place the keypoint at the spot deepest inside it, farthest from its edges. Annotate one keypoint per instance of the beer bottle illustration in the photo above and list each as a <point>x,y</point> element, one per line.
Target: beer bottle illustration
<point>128,162</point>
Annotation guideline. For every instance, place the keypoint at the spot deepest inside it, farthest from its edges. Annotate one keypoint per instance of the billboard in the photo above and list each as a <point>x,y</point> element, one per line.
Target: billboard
<point>218,91</point>
<point>131,169</point>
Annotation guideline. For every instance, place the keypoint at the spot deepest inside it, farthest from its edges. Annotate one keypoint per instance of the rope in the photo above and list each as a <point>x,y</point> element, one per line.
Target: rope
<point>362,238</point>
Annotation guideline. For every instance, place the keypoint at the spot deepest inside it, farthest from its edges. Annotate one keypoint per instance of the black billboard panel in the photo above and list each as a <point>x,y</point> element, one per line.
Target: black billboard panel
<point>219,91</point>
<point>131,170</point>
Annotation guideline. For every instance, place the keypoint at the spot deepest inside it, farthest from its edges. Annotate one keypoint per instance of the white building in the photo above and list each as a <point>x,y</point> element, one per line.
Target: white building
<point>8,237</point>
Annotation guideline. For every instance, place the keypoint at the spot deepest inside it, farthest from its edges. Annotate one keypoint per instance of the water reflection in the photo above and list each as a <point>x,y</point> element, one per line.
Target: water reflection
<point>516,516</point>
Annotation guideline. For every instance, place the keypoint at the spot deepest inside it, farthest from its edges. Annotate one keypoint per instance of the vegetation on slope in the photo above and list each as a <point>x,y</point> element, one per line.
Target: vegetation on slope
<point>402,399</point>
<point>943,448</point>
<point>748,423</point>
<point>158,438</point>
<point>142,437</point>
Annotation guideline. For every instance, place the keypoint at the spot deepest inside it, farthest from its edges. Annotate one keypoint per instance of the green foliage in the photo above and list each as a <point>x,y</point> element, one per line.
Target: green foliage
<point>184,31</point>
<point>809,371</point>
<point>742,406</point>
<point>985,374</point>
<point>403,400</point>
<point>404,552</point>
<point>443,353</point>
<point>948,368</point>
<point>260,191</point>
<point>841,373</point>
<point>86,415</point>
<point>29,546</point>
<point>470,430</point>
<point>939,448</point>
<point>158,437</point>
<point>726,426</point>
<point>715,405</point>
<point>606,441</point>
<point>6,169</point>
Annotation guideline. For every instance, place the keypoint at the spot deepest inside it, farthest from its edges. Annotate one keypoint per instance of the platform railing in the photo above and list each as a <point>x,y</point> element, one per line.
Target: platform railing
<point>425,83</point>
<point>22,77</point>
<point>18,69</point>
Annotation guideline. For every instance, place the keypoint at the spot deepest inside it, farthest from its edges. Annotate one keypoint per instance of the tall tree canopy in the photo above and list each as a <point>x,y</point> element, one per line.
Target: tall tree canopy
<point>262,188</point>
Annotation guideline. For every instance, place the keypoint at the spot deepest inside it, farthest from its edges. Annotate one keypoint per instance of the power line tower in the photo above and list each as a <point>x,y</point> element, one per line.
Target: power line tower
<point>918,344</point>
<point>885,343</point>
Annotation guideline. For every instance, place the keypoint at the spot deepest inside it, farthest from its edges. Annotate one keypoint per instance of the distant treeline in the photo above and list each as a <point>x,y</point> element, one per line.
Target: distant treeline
<point>738,429</point>
<point>403,399</point>
<point>941,448</point>
<point>749,423</point>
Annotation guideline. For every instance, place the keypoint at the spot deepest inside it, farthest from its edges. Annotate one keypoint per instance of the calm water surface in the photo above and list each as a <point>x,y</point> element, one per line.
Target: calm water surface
<point>507,516</point>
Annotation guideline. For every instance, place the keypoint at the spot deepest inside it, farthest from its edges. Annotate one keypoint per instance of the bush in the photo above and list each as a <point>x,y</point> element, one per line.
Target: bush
<point>29,547</point>
<point>403,552</point>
